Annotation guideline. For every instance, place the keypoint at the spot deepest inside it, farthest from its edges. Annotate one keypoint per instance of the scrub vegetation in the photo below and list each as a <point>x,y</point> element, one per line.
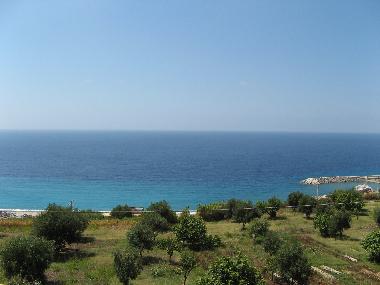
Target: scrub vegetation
<point>276,245</point>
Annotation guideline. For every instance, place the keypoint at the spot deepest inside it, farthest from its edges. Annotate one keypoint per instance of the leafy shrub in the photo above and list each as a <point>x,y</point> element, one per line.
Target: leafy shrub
<point>306,205</point>
<point>258,229</point>
<point>155,221</point>
<point>376,215</point>
<point>127,264</point>
<point>231,270</point>
<point>187,264</point>
<point>191,232</point>
<point>26,257</point>
<point>212,212</point>
<point>60,224</point>
<point>170,245</point>
<point>372,245</point>
<point>121,212</point>
<point>272,206</point>
<point>272,242</point>
<point>332,222</point>
<point>164,209</point>
<point>294,198</point>
<point>349,200</point>
<point>291,263</point>
<point>142,237</point>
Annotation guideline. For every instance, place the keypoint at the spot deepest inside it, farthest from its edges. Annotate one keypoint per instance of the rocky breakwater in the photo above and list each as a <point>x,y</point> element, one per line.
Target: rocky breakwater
<point>331,179</point>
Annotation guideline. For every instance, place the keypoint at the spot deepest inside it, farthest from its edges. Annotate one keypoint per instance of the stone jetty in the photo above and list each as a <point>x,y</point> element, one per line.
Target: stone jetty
<point>340,179</point>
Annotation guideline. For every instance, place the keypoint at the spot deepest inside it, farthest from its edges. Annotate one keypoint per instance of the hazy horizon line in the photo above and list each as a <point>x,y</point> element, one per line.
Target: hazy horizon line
<point>185,131</point>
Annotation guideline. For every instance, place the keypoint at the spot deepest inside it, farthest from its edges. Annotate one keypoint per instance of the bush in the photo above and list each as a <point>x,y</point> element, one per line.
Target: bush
<point>60,225</point>
<point>127,264</point>
<point>306,205</point>
<point>372,245</point>
<point>191,232</point>
<point>349,200</point>
<point>294,198</point>
<point>376,214</point>
<point>231,270</point>
<point>272,206</point>
<point>272,242</point>
<point>212,212</point>
<point>291,263</point>
<point>258,229</point>
<point>155,221</point>
<point>332,222</point>
<point>141,237</point>
<point>27,257</point>
<point>164,209</point>
<point>121,212</point>
<point>187,264</point>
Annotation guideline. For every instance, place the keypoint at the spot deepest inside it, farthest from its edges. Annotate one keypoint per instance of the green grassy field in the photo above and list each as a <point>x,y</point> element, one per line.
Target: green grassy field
<point>91,262</point>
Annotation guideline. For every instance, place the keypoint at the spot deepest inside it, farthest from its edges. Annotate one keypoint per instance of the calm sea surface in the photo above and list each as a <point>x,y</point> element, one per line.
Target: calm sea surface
<point>101,169</point>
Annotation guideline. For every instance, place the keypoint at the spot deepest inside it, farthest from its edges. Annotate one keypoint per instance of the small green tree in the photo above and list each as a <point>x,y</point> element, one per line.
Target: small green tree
<point>170,245</point>
<point>191,231</point>
<point>142,237</point>
<point>233,205</point>
<point>306,205</point>
<point>258,229</point>
<point>272,206</point>
<point>372,245</point>
<point>128,265</point>
<point>163,208</point>
<point>187,264</point>
<point>231,270</point>
<point>294,198</point>
<point>291,263</point>
<point>27,257</point>
<point>245,215</point>
<point>349,200</point>
<point>155,221</point>
<point>332,222</point>
<point>121,212</point>
<point>60,224</point>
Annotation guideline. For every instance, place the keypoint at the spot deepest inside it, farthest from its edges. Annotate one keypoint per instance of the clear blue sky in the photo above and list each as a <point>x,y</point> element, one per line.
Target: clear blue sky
<point>190,65</point>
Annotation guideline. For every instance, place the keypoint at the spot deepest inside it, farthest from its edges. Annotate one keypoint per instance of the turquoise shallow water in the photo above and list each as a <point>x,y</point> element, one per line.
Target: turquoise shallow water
<point>101,169</point>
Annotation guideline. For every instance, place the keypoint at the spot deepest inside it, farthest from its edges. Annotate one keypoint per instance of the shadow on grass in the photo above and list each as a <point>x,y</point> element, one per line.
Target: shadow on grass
<point>278,218</point>
<point>55,282</point>
<point>68,254</point>
<point>348,238</point>
<point>87,240</point>
<point>148,260</point>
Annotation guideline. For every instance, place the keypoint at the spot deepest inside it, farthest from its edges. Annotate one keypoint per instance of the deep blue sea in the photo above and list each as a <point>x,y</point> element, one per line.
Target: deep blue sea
<point>101,169</point>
